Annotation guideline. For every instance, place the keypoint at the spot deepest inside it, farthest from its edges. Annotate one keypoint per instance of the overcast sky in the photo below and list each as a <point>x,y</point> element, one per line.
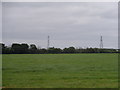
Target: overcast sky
<point>68,24</point>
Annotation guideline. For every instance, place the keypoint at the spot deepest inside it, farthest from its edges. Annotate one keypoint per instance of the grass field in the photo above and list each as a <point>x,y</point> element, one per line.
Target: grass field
<point>60,71</point>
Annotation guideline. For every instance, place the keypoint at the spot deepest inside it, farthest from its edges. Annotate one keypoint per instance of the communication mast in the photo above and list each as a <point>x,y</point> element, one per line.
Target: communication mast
<point>48,43</point>
<point>101,43</point>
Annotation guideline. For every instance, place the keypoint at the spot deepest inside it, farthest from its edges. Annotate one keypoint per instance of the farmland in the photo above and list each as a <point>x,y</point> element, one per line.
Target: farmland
<point>60,70</point>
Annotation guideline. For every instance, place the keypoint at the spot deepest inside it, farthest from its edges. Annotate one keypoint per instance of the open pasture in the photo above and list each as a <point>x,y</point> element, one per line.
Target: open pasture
<point>60,70</point>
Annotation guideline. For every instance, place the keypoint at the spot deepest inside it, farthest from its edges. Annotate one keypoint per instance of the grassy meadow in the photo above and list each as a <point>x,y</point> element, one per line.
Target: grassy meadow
<point>60,70</point>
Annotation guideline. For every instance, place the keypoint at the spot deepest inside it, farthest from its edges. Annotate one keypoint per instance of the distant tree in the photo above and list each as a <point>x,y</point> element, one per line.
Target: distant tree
<point>42,51</point>
<point>69,50</point>
<point>65,50</point>
<point>33,49</point>
<point>72,50</point>
<point>57,50</point>
<point>16,48</point>
<point>24,48</point>
<point>79,50</point>
<point>2,48</point>
<point>90,50</point>
<point>96,50</point>
<point>54,50</point>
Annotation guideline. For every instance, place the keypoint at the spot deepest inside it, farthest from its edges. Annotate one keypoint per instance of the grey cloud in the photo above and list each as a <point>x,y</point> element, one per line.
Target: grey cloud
<point>78,24</point>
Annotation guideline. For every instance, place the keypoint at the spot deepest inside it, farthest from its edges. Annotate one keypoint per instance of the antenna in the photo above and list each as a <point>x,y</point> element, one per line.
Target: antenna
<point>101,43</point>
<point>48,42</point>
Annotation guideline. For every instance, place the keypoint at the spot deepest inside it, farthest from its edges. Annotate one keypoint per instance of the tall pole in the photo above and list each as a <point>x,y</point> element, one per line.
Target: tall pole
<point>48,42</point>
<point>101,42</point>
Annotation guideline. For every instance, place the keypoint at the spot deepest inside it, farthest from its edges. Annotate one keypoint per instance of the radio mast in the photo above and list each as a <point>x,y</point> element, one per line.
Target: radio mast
<point>48,43</point>
<point>101,43</point>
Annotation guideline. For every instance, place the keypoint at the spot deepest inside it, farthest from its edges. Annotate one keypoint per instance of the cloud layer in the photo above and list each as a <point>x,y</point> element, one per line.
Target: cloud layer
<point>67,24</point>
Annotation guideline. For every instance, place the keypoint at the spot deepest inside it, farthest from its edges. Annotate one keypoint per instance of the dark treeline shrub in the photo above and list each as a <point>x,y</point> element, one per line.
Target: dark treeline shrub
<point>69,50</point>
<point>54,50</point>
<point>24,48</point>
<point>19,48</point>
<point>42,51</point>
<point>33,49</point>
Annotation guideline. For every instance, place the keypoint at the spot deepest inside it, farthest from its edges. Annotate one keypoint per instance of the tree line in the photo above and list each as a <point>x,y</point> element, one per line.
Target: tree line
<point>24,48</point>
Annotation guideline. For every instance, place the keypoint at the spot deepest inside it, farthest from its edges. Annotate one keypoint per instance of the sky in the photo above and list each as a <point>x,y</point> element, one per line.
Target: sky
<point>0,22</point>
<point>78,24</point>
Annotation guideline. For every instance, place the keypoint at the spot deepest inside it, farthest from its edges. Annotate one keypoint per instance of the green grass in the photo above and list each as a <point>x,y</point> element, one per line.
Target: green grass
<point>0,71</point>
<point>60,71</point>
